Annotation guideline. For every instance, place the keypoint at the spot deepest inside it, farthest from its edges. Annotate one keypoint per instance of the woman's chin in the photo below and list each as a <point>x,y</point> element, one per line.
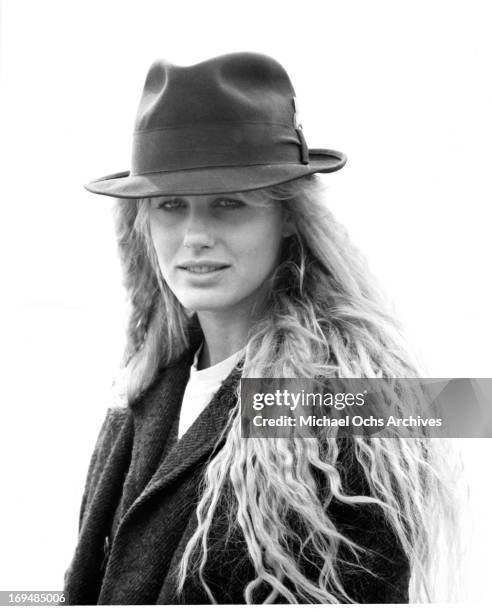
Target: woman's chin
<point>205,304</point>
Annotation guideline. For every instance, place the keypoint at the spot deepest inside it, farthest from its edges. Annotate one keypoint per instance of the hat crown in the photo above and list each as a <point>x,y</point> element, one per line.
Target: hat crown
<point>233,88</point>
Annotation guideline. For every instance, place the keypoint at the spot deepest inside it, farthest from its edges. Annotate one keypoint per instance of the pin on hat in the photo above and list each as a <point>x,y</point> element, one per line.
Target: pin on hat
<point>228,124</point>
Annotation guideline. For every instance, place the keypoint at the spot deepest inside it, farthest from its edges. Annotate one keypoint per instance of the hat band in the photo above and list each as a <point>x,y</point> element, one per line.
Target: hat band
<point>205,146</point>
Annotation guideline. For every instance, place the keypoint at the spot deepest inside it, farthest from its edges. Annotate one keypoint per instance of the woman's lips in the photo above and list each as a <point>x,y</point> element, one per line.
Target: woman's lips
<point>203,270</point>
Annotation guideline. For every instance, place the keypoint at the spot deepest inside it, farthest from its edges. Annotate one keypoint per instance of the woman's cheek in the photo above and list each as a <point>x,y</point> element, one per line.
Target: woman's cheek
<point>166,247</point>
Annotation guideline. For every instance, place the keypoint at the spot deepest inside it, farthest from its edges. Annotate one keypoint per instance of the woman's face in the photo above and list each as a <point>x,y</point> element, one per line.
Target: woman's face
<point>216,251</point>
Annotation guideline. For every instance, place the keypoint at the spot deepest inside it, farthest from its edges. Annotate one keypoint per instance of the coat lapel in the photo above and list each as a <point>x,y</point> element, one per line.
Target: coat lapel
<point>156,417</point>
<point>197,443</point>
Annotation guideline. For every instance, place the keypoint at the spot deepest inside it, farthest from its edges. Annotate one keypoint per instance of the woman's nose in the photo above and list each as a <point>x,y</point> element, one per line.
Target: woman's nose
<point>198,233</point>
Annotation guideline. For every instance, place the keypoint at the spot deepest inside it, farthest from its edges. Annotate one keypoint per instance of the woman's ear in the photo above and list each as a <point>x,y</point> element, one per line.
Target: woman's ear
<point>289,227</point>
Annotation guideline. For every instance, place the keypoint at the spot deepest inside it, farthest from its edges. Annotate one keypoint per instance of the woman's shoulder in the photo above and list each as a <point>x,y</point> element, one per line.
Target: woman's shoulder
<point>115,416</point>
<point>114,420</point>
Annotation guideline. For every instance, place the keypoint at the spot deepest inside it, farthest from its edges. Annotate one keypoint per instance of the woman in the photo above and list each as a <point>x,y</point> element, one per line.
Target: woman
<point>235,268</point>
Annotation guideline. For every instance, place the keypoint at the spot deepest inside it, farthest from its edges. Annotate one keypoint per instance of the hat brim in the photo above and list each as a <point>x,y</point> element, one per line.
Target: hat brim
<point>211,180</point>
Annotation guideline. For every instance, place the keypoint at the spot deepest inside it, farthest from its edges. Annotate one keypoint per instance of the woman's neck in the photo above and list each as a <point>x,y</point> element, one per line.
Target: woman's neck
<point>223,336</point>
<point>227,331</point>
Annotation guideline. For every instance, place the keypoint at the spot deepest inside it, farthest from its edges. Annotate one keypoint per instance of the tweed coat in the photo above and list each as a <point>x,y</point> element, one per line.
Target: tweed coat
<point>138,511</point>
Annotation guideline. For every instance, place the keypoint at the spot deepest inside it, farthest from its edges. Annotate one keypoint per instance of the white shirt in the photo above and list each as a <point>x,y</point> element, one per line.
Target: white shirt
<point>202,386</point>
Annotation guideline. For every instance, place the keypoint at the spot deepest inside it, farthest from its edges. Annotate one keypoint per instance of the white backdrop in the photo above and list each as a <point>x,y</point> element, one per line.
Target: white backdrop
<point>403,87</point>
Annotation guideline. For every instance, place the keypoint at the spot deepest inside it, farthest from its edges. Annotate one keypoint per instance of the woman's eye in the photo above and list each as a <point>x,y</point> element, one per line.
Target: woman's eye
<point>229,204</point>
<point>170,204</point>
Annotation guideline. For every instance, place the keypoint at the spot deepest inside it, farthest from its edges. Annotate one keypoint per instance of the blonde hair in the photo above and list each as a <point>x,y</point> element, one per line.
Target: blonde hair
<point>325,317</point>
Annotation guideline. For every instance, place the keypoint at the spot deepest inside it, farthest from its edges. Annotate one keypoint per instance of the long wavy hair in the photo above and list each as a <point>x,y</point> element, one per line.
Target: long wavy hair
<point>325,316</point>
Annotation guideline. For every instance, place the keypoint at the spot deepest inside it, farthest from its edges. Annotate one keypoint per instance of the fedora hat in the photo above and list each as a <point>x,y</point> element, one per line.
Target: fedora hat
<point>227,124</point>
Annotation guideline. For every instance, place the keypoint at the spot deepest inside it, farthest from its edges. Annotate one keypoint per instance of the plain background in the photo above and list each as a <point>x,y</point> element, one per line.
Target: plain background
<point>403,87</point>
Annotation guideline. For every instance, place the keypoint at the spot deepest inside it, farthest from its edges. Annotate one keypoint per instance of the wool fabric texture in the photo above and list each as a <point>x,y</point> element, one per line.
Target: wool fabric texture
<point>139,502</point>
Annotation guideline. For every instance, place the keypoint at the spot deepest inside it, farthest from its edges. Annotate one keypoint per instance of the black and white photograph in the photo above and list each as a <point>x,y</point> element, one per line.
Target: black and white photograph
<point>246,303</point>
